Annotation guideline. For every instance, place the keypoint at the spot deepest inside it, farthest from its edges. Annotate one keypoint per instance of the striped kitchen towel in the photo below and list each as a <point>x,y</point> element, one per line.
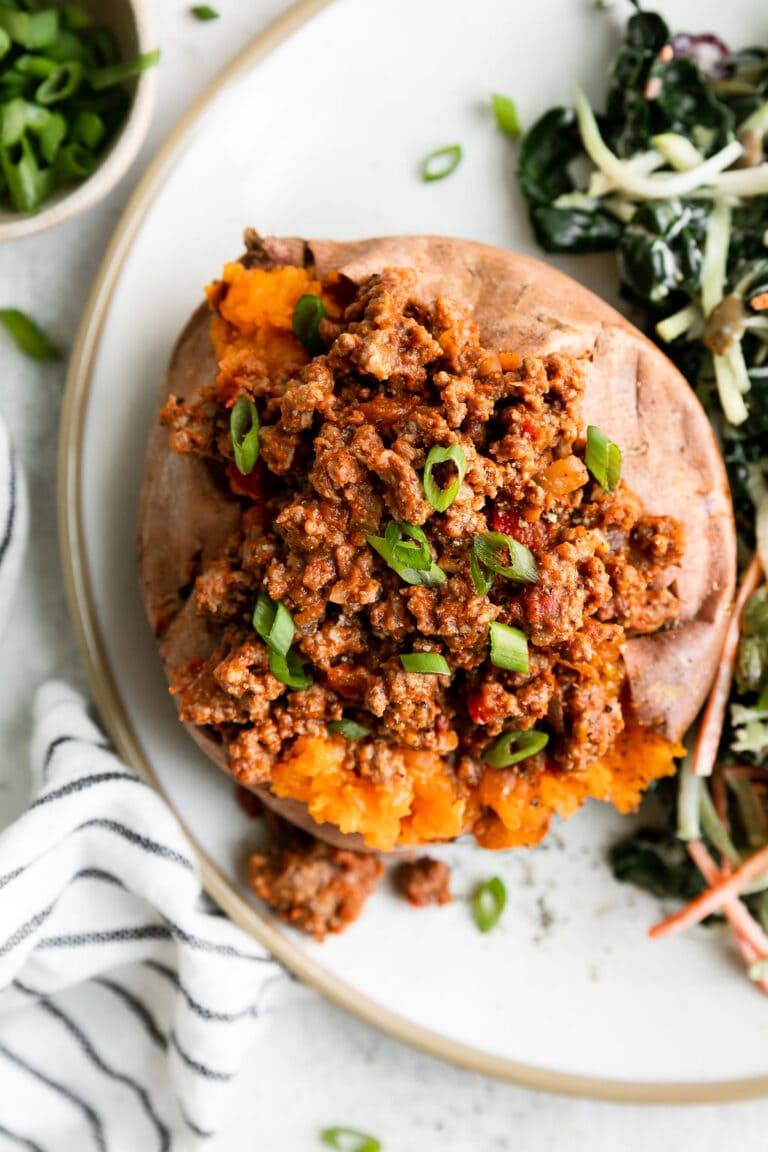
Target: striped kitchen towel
<point>126,1000</point>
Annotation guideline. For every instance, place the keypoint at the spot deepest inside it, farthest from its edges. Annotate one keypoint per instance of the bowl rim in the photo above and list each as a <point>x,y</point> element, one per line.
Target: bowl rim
<point>124,149</point>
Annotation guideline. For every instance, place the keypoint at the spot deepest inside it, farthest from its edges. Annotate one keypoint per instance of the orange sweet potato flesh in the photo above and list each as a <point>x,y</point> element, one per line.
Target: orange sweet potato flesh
<point>670,460</point>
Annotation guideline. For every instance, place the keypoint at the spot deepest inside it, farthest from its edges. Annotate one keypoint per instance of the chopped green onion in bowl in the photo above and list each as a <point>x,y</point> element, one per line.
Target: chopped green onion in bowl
<point>63,99</point>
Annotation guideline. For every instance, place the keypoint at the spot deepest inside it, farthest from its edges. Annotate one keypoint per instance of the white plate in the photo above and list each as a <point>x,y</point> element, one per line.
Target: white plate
<point>321,133</point>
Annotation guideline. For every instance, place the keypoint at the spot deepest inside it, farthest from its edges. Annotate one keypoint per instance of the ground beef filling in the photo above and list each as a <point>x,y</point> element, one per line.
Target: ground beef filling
<point>344,438</point>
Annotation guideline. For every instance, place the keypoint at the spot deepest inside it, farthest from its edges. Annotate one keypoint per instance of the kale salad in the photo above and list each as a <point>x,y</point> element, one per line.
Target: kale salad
<point>672,175</point>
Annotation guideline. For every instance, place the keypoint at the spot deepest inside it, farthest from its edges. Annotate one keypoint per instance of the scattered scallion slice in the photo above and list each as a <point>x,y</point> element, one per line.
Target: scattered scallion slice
<point>27,336</point>
<point>417,555</point>
<point>427,577</point>
<point>488,902</point>
<point>349,1140</point>
<point>427,663</point>
<point>274,623</point>
<point>603,459</point>
<point>442,498</point>
<point>506,114</point>
<point>244,430</point>
<point>488,552</point>
<point>204,12</point>
<point>307,314</point>
<point>514,746</point>
<point>509,647</point>
<point>349,729</point>
<point>441,163</point>
<point>289,670</point>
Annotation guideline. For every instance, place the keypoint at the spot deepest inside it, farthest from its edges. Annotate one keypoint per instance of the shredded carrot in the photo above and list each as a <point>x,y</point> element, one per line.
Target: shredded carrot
<point>750,937</point>
<point>744,772</point>
<point>716,896</point>
<point>760,303</point>
<point>666,54</point>
<point>711,726</point>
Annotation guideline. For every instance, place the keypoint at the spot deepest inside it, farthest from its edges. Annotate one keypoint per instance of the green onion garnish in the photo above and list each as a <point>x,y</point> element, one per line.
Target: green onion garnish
<point>349,1140</point>
<point>348,729</point>
<point>509,647</point>
<point>428,663</point>
<point>307,314</point>
<point>416,555</point>
<point>289,670</point>
<point>244,430</point>
<point>441,163</point>
<point>204,12</point>
<point>506,114</point>
<point>603,459</point>
<point>62,83</point>
<point>274,623</point>
<point>27,335</point>
<point>113,74</point>
<point>489,550</point>
<point>427,577</point>
<point>488,903</point>
<point>442,498</point>
<point>514,746</point>
<point>31,30</point>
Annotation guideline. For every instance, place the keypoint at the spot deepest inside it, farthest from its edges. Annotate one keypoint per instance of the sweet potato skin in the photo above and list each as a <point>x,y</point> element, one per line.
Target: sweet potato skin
<point>635,395</point>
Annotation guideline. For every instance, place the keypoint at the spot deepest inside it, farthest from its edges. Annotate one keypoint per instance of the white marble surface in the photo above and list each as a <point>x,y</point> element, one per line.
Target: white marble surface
<point>319,1066</point>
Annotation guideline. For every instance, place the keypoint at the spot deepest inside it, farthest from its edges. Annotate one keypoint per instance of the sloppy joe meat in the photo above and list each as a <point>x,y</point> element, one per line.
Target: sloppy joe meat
<point>344,439</point>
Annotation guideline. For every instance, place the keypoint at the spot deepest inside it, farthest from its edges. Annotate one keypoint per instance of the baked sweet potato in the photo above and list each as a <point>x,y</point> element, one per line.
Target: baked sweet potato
<point>527,314</point>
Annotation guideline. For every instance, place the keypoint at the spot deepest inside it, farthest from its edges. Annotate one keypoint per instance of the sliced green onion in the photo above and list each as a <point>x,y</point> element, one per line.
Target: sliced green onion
<point>26,181</point>
<point>416,555</point>
<point>30,29</point>
<point>16,117</point>
<point>427,663</point>
<point>89,129</point>
<point>112,74</point>
<point>27,336</point>
<point>51,135</point>
<point>274,623</point>
<point>349,729</point>
<point>603,459</point>
<point>289,670</point>
<point>75,18</point>
<point>307,314</point>
<point>488,902</point>
<point>5,42</point>
<point>349,1140</point>
<point>506,114</point>
<point>442,498</point>
<point>489,549</point>
<point>30,65</point>
<point>61,84</point>
<point>441,163</point>
<point>244,430</point>
<point>204,12</point>
<point>76,161</point>
<point>509,647</point>
<point>427,577</point>
<point>514,746</point>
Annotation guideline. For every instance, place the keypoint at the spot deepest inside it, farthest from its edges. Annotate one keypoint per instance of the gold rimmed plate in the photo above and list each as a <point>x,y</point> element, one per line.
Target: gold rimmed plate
<point>309,131</point>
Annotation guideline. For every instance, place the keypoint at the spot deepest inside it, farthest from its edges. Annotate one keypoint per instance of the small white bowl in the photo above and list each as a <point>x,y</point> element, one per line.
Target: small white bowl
<point>127,19</point>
